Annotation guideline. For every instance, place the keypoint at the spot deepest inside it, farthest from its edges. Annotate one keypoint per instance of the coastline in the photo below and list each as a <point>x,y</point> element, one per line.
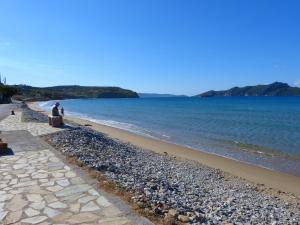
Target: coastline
<point>258,175</point>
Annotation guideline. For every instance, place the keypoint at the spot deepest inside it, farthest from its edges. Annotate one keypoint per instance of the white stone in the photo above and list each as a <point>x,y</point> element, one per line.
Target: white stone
<point>38,205</point>
<point>57,205</point>
<point>63,183</point>
<point>40,176</point>
<point>55,188</point>
<point>72,198</point>
<point>26,183</point>
<point>22,175</point>
<point>31,212</point>
<point>13,181</point>
<point>51,212</point>
<point>54,159</point>
<point>67,168</point>
<point>46,184</point>
<point>91,206</point>
<point>3,215</point>
<point>73,190</point>
<point>50,198</point>
<point>7,177</point>
<point>93,192</point>
<point>102,201</point>
<point>75,207</point>
<point>1,206</point>
<point>34,220</point>
<point>17,203</point>
<point>34,197</point>
<point>86,199</point>
<point>22,160</point>
<point>13,217</point>
<point>57,175</point>
<point>43,180</point>
<point>19,166</point>
<point>15,192</point>
<point>70,174</point>
<point>111,211</point>
<point>77,180</point>
<point>5,197</point>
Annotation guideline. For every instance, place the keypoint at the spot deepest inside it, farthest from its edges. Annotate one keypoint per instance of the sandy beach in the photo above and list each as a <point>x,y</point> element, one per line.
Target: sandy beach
<point>271,179</point>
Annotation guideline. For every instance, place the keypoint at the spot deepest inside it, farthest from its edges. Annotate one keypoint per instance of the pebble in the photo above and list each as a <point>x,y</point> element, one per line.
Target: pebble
<point>183,218</point>
<point>197,194</point>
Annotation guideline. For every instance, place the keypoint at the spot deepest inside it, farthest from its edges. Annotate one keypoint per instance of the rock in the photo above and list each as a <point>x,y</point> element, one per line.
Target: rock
<point>91,206</point>
<point>37,205</point>
<point>159,182</point>
<point>75,189</point>
<point>86,199</point>
<point>13,217</point>
<point>34,197</point>
<point>31,212</point>
<point>3,214</point>
<point>58,205</point>
<point>51,212</point>
<point>63,183</point>
<point>75,207</point>
<point>173,212</point>
<point>17,203</point>
<point>34,220</point>
<point>102,201</point>
<point>183,218</point>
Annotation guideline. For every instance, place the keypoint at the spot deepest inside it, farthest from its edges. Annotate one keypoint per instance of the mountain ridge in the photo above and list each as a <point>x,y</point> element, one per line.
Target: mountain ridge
<point>30,93</point>
<point>273,89</point>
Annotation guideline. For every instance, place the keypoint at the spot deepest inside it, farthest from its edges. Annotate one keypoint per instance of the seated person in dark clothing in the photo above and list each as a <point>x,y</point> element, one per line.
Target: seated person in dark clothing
<point>55,111</point>
<point>55,119</point>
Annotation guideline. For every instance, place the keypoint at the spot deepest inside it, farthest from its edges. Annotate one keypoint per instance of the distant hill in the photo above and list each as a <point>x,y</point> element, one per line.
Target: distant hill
<point>274,89</point>
<point>30,93</point>
<point>154,95</point>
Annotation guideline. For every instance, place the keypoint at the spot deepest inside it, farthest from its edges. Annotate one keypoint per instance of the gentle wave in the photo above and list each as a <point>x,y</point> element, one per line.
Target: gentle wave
<point>43,105</point>
<point>116,124</point>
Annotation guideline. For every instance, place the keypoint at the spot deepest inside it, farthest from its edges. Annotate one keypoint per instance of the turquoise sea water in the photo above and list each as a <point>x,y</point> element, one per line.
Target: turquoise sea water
<point>264,131</point>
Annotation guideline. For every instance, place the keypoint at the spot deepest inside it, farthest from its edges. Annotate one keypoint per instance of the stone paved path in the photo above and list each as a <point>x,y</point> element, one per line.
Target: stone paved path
<point>36,129</point>
<point>37,187</point>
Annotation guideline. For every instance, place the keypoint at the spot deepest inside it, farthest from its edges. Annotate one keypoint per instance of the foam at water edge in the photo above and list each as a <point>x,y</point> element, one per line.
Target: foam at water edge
<point>44,104</point>
<point>116,124</point>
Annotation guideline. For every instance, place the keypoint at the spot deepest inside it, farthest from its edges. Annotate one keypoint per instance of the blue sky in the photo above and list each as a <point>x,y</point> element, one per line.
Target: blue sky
<point>163,46</point>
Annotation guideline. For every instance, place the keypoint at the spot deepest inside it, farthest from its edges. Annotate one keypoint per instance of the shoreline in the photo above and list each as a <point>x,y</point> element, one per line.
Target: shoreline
<point>258,175</point>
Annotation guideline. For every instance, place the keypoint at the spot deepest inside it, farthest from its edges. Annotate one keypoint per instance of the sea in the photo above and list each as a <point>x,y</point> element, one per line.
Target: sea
<point>263,131</point>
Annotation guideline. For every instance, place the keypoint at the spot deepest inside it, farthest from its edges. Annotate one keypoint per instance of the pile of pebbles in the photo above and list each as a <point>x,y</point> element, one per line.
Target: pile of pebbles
<point>187,191</point>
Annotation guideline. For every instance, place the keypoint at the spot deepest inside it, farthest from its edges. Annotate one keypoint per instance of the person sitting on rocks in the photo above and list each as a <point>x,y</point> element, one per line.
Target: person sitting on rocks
<point>55,119</point>
<point>55,111</point>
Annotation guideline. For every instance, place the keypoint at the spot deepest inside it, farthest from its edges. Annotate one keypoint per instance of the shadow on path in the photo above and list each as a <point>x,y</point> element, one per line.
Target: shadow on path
<point>22,140</point>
